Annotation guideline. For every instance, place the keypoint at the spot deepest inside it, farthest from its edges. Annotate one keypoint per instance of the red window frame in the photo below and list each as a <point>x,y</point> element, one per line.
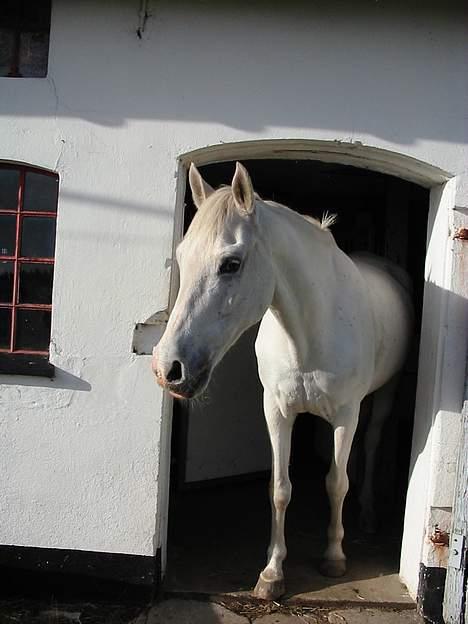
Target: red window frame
<point>17,259</point>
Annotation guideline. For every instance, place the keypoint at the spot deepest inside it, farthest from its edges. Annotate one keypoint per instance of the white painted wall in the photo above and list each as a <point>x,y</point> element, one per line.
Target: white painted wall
<point>80,456</point>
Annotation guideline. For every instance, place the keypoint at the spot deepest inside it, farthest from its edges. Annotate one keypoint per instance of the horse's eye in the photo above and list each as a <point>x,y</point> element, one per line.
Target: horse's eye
<point>229,265</point>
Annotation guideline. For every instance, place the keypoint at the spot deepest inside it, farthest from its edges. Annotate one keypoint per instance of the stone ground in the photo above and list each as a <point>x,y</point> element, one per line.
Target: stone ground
<point>219,536</point>
<point>189,611</point>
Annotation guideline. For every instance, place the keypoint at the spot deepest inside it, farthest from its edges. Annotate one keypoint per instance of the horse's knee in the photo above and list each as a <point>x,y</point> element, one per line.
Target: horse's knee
<point>281,496</point>
<point>337,484</point>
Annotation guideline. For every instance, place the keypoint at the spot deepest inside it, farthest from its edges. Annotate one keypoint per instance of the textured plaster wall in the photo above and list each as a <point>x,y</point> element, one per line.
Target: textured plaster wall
<point>80,455</point>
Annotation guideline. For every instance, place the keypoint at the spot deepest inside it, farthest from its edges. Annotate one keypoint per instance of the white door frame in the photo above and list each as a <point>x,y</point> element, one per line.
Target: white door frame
<point>443,348</point>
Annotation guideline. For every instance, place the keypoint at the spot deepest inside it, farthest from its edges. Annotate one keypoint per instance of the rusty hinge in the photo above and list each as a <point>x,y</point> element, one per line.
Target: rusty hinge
<point>439,537</point>
<point>461,234</point>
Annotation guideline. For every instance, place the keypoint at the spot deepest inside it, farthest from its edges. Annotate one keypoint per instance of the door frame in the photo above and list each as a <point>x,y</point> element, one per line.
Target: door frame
<point>443,349</point>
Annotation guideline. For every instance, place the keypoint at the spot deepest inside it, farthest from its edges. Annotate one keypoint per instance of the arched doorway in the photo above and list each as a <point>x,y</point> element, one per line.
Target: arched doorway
<point>372,167</point>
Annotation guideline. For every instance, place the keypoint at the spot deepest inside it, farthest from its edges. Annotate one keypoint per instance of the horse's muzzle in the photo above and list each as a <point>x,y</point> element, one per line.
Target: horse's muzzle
<point>187,389</point>
<point>177,382</point>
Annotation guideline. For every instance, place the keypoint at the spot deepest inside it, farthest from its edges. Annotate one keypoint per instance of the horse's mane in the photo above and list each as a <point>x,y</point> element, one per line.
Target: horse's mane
<point>220,207</point>
<point>324,223</point>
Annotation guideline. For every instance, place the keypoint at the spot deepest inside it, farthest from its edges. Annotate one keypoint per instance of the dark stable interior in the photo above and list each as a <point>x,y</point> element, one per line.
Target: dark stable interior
<point>219,530</point>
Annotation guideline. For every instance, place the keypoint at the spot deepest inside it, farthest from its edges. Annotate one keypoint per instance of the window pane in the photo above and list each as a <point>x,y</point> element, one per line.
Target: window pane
<point>7,44</point>
<point>40,192</point>
<point>38,237</point>
<point>37,16</point>
<point>35,284</point>
<point>9,180</point>
<point>6,282</point>
<point>34,49</point>
<point>32,330</point>
<point>5,328</point>
<point>7,235</point>
<point>28,20</point>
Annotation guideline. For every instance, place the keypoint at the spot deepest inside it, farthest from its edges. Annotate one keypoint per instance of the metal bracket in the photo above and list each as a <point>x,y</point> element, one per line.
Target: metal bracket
<point>457,545</point>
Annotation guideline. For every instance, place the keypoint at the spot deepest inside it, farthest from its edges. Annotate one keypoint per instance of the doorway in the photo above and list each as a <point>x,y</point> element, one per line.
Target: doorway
<point>219,508</point>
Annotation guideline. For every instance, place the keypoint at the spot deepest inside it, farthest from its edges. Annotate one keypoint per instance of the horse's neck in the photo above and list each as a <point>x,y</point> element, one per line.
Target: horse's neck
<point>304,260</point>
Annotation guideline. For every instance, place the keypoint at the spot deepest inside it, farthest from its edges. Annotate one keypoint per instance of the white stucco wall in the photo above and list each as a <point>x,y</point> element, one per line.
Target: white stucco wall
<point>80,455</point>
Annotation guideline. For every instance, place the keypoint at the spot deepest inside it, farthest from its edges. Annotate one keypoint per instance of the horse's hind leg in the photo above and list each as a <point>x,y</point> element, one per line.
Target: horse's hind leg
<point>382,404</point>
<point>270,584</point>
<point>345,423</point>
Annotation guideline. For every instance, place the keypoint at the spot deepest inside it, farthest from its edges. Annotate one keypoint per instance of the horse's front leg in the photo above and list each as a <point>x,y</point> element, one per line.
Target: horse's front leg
<point>345,423</point>
<point>270,584</point>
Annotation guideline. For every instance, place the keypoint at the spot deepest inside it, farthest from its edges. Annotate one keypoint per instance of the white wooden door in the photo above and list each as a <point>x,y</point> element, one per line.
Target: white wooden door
<point>455,597</point>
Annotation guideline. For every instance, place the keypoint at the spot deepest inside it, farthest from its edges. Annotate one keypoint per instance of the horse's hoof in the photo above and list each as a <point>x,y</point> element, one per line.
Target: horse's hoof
<point>333,567</point>
<point>269,590</point>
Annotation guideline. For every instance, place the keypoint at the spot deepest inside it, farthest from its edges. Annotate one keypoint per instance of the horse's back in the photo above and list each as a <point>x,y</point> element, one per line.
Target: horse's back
<point>389,290</point>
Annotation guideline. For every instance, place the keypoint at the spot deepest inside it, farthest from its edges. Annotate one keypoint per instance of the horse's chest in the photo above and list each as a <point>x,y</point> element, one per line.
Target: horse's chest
<point>304,392</point>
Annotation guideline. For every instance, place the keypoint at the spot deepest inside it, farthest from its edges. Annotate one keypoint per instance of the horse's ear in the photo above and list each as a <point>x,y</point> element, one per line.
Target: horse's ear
<point>242,190</point>
<point>200,189</point>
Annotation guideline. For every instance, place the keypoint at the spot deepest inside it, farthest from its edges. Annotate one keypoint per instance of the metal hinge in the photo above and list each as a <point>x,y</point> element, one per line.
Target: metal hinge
<point>461,234</point>
<point>457,546</point>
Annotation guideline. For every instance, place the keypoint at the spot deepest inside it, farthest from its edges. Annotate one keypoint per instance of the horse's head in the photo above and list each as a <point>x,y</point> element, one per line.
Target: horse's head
<point>226,284</point>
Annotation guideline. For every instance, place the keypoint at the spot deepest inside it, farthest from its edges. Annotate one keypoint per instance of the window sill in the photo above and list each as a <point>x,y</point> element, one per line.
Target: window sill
<point>21,364</point>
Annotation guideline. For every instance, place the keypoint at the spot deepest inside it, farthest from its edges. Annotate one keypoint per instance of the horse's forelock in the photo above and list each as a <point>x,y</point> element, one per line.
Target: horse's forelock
<point>211,218</point>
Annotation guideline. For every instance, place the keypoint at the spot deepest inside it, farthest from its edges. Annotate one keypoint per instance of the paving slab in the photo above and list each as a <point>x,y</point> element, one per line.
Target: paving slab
<point>55,615</point>
<point>373,616</point>
<point>357,586</point>
<point>286,618</point>
<point>215,551</point>
<point>189,612</point>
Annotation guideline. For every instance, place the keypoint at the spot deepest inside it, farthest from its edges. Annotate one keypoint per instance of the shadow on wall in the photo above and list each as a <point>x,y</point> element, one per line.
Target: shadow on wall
<point>153,215</point>
<point>112,203</point>
<point>366,67</point>
<point>63,380</point>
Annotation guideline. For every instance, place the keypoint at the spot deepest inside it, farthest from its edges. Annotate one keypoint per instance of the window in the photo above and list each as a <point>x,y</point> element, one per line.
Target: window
<point>24,38</point>
<point>28,210</point>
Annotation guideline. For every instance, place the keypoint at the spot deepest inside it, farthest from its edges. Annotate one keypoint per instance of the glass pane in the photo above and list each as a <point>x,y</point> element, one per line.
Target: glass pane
<point>6,282</point>
<point>7,235</point>
<point>9,181</point>
<point>38,237</point>
<point>32,330</point>
<point>34,51</point>
<point>37,16</point>
<point>5,328</point>
<point>35,283</point>
<point>7,44</point>
<point>40,192</point>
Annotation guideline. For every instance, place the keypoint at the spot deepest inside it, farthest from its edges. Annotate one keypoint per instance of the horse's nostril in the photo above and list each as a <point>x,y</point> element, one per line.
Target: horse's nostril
<point>175,373</point>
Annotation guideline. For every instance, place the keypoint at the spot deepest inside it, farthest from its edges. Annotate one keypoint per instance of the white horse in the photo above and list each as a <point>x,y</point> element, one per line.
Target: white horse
<point>333,329</point>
